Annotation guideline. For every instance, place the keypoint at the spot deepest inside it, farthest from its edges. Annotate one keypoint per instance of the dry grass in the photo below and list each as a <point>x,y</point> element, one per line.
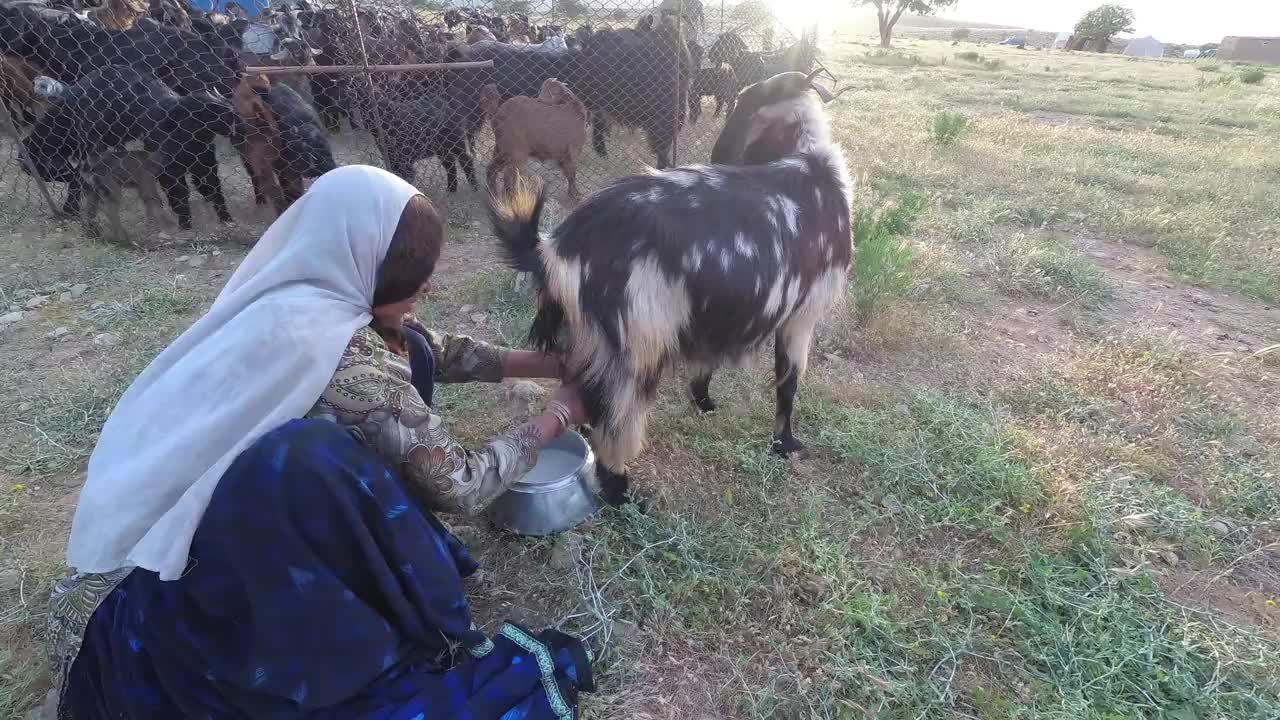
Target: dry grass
<point>1019,500</point>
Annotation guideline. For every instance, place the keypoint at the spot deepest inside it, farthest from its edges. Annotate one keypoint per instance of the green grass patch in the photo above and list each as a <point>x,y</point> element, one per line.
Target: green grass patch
<point>946,127</point>
<point>944,462</point>
<point>882,263</point>
<point>1252,76</point>
<point>1037,265</point>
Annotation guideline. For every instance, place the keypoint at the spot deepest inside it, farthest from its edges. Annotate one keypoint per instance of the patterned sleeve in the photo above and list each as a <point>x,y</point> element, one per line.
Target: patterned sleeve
<point>461,359</point>
<point>371,393</point>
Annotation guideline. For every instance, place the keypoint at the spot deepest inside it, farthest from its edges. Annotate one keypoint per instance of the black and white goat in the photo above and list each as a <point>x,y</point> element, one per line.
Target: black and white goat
<point>701,264</point>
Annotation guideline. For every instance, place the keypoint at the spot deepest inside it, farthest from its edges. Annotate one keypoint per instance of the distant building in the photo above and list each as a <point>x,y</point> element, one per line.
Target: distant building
<point>1250,49</point>
<point>1148,47</point>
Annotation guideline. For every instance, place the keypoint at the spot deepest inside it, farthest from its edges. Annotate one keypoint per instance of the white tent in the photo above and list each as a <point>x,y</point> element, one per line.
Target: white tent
<point>1061,41</point>
<point>1191,54</point>
<point>1144,47</point>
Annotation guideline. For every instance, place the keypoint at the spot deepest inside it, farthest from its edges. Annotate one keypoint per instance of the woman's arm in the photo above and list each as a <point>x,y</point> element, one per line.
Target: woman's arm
<point>460,359</point>
<point>371,392</point>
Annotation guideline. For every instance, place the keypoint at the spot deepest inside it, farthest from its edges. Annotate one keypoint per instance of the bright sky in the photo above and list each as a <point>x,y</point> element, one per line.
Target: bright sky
<point>1180,21</point>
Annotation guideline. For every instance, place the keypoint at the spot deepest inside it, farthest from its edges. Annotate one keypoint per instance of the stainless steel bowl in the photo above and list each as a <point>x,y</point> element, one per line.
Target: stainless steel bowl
<point>555,495</point>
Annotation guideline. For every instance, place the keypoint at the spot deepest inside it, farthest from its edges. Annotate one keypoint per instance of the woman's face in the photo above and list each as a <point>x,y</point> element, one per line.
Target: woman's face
<point>391,314</point>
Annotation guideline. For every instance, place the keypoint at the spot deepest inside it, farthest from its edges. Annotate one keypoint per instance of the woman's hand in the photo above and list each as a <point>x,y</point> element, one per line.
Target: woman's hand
<point>571,399</point>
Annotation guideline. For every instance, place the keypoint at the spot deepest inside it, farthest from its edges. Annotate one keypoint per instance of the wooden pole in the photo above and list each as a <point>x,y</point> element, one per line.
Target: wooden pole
<point>12,128</point>
<point>356,69</point>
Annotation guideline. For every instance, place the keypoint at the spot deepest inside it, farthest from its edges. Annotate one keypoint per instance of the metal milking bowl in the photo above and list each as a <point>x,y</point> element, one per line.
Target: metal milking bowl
<point>555,495</point>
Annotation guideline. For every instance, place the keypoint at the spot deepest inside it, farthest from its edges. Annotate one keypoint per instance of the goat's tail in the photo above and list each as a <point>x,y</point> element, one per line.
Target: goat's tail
<point>515,217</point>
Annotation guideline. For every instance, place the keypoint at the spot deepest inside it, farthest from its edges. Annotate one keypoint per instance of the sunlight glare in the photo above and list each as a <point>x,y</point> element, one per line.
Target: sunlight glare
<point>796,15</point>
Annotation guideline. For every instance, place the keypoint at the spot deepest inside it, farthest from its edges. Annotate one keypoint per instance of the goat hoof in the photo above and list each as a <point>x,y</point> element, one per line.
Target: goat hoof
<point>705,406</point>
<point>788,447</point>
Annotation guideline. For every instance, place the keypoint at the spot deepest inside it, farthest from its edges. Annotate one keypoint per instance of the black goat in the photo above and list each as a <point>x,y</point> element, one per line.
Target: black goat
<point>116,104</point>
<point>412,127</point>
<point>720,83</point>
<point>639,79</point>
<point>68,49</point>
<point>700,263</point>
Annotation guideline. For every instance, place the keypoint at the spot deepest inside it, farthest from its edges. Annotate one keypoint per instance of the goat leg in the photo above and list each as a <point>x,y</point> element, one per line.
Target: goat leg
<point>174,181</point>
<point>787,376</point>
<point>450,171</point>
<point>570,169</point>
<point>71,204</point>
<point>599,131</point>
<point>89,214</point>
<point>113,198</point>
<point>615,488</point>
<point>205,173</point>
<point>700,391</point>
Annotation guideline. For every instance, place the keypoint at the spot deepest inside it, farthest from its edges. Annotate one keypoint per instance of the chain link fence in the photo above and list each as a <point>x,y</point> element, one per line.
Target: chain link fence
<point>121,110</point>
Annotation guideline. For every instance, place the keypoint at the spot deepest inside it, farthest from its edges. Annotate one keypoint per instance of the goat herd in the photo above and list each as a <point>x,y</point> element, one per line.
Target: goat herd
<point>172,79</point>
<point>710,261</point>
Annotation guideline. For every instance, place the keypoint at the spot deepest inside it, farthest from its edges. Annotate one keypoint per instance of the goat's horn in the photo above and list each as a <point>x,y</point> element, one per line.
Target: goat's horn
<point>826,95</point>
<point>815,73</point>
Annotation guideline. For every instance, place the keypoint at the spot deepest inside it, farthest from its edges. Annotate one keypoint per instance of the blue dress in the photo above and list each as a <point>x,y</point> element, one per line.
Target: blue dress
<point>317,588</point>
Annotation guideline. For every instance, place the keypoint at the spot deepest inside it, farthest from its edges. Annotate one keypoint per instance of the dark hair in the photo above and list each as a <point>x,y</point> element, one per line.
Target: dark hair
<point>411,258</point>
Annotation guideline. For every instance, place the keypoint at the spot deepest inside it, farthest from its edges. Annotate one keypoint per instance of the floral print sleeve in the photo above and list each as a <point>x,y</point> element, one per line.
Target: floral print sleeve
<point>461,359</point>
<point>371,393</point>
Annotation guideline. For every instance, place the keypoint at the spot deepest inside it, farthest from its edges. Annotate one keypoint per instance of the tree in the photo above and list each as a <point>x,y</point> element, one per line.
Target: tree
<point>571,8</point>
<point>1100,24</point>
<point>889,12</point>
<point>511,7</point>
<point>960,34</point>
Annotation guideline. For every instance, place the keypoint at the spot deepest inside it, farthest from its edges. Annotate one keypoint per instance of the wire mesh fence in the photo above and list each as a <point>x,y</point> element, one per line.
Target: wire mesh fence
<point>121,109</point>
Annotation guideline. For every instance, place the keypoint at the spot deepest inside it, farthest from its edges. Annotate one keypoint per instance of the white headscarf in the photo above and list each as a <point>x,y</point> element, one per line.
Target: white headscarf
<point>260,356</point>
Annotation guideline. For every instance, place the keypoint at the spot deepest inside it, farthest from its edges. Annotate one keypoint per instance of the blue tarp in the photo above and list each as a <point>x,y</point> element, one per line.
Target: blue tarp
<point>252,8</point>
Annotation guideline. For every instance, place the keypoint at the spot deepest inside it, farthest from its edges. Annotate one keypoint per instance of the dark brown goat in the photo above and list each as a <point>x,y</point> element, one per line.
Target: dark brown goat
<point>105,176</point>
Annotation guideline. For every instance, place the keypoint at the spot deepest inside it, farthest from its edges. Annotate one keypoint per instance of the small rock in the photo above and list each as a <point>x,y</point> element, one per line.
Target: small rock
<point>65,297</point>
<point>24,407</point>
<point>892,504</point>
<point>903,409</point>
<point>1170,557</point>
<point>183,258</point>
<point>106,339</point>
<point>478,317</point>
<point>216,253</point>
<point>522,397</point>
<point>832,357</point>
<point>38,301</point>
<point>1201,300</point>
<point>467,308</point>
<point>1221,528</point>
<point>97,306</point>
<point>1033,313</point>
<point>12,317</point>
<point>198,261</point>
<point>58,332</point>
<point>78,289</point>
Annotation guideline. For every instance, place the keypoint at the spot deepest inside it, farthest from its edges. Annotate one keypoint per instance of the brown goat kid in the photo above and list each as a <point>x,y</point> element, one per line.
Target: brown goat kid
<point>261,145</point>
<point>104,177</point>
<point>119,15</point>
<point>16,83</point>
<point>551,127</point>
